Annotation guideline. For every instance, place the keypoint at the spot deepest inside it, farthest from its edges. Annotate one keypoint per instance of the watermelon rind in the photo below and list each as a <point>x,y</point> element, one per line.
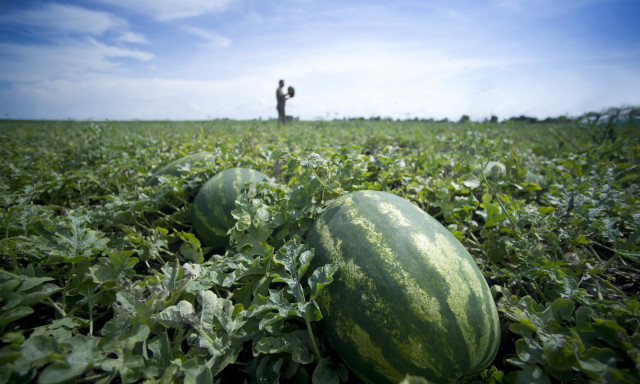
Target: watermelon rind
<point>211,210</point>
<point>407,299</point>
<point>177,167</point>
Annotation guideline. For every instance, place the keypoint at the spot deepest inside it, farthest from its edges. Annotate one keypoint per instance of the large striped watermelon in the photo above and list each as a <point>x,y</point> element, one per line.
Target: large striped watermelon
<point>407,297</point>
<point>211,209</point>
<point>175,167</point>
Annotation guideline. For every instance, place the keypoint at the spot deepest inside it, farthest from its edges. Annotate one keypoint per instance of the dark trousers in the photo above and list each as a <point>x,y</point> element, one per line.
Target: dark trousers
<point>280,109</point>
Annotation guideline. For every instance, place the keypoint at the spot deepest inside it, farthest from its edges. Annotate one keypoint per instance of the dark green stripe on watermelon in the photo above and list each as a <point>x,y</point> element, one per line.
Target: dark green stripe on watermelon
<point>211,209</point>
<point>407,298</point>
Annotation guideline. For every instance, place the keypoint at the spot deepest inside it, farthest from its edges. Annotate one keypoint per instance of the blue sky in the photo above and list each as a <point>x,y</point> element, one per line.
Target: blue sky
<point>201,59</point>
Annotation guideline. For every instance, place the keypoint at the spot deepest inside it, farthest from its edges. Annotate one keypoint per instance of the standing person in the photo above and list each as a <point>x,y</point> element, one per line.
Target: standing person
<point>281,97</point>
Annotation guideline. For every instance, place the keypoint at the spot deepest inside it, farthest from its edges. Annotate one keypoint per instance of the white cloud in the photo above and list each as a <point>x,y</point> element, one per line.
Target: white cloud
<point>171,9</point>
<point>65,19</point>
<point>132,37</point>
<point>342,63</point>
<point>77,44</point>
<point>397,84</point>
<point>106,51</point>
<point>212,38</point>
<point>69,59</point>
<point>113,97</point>
<point>542,8</point>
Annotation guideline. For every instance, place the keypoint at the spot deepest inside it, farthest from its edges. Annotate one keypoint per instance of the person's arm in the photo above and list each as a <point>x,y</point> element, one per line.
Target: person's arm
<point>282,95</point>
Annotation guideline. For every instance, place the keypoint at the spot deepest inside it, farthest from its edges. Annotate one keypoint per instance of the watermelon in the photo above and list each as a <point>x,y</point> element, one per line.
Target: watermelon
<point>494,169</point>
<point>211,209</point>
<point>407,298</point>
<point>291,91</point>
<point>175,168</point>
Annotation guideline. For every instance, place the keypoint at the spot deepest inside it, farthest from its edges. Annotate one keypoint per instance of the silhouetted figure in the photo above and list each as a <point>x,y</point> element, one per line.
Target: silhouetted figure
<point>281,97</point>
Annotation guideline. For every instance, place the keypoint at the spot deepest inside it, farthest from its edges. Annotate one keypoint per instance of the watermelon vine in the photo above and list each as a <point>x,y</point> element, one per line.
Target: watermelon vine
<point>105,279</point>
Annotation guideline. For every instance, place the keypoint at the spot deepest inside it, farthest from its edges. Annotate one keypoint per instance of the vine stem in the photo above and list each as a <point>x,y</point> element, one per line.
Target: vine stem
<point>92,379</point>
<point>631,255</point>
<point>9,273</point>
<point>316,350</point>
<point>504,209</point>
<point>312,337</point>
<point>90,305</point>
<point>56,307</point>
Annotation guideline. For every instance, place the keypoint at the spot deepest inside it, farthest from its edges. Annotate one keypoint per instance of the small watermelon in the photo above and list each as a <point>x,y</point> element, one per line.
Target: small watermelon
<point>176,167</point>
<point>407,298</point>
<point>494,169</point>
<point>211,209</point>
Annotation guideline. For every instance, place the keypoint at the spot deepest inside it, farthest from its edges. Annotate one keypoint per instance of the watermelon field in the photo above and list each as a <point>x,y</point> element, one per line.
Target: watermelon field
<point>107,277</point>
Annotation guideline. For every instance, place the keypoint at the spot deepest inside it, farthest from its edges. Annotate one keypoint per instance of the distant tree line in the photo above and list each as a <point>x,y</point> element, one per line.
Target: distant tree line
<point>627,114</point>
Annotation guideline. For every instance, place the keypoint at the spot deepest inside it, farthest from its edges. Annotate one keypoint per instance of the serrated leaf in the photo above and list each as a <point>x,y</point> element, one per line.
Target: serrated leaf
<point>61,329</point>
<point>113,268</point>
<point>177,316</point>
<point>295,258</point>
<point>294,343</point>
<point>329,372</point>
<point>121,338</point>
<point>320,278</point>
<point>74,241</point>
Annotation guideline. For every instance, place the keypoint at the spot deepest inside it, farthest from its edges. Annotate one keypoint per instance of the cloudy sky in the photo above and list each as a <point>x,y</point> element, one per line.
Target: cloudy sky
<point>201,59</point>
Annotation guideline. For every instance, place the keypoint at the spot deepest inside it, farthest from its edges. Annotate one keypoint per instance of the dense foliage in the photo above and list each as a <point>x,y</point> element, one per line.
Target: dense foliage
<point>102,278</point>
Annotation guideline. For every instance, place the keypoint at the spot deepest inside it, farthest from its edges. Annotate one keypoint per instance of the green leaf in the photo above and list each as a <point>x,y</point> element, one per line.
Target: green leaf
<point>60,329</point>
<point>529,351</point>
<point>15,314</point>
<point>31,282</point>
<point>190,248</point>
<point>114,268</point>
<point>37,351</point>
<point>161,356</point>
<point>320,278</point>
<point>9,354</point>
<point>197,371</point>
<point>492,213</point>
<point>597,362</point>
<point>178,315</point>
<point>295,343</point>
<point>23,291</point>
<point>84,353</point>
<point>560,351</point>
<point>217,327</point>
<point>528,373</point>
<point>295,258</point>
<point>272,309</point>
<point>121,338</point>
<point>329,372</point>
<point>74,241</point>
